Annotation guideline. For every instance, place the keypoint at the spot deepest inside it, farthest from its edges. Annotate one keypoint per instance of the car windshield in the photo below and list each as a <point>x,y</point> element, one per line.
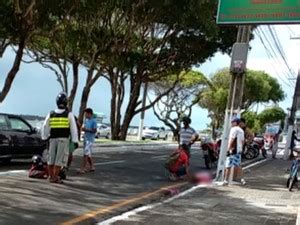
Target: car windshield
<point>153,128</point>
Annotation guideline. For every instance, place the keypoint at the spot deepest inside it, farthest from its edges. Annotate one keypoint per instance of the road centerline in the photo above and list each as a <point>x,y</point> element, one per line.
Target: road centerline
<point>109,163</point>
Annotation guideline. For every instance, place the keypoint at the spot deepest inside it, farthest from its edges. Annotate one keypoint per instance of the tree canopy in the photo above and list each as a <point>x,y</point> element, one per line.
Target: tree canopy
<point>132,42</point>
<point>259,87</point>
<point>180,100</point>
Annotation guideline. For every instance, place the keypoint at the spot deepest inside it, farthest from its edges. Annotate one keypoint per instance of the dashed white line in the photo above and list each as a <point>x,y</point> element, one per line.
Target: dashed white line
<point>159,157</point>
<point>111,162</point>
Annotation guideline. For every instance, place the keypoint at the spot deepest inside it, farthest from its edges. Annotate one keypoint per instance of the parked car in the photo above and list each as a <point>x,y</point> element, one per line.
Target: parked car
<point>103,131</point>
<point>155,133</point>
<point>18,139</point>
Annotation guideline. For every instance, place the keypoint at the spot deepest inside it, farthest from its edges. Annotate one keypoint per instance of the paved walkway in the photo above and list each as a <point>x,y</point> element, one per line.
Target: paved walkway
<point>264,200</point>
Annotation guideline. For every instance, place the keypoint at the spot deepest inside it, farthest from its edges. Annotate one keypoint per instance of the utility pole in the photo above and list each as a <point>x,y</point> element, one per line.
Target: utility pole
<point>234,101</point>
<point>291,120</point>
<point>141,125</point>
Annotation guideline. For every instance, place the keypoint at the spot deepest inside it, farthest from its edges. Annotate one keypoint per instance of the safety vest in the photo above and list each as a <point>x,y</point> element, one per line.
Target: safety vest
<point>59,125</point>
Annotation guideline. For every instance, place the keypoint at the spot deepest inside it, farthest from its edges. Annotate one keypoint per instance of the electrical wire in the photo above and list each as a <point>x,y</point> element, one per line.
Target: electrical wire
<point>270,53</point>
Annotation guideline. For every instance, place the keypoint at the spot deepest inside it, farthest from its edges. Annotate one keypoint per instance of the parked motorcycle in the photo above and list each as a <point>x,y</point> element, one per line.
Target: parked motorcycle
<point>211,152</point>
<point>250,151</point>
<point>260,144</point>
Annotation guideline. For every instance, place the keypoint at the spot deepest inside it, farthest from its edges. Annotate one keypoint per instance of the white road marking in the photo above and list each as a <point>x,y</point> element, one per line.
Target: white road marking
<point>13,172</point>
<point>133,212</point>
<point>159,157</point>
<point>298,217</point>
<point>111,162</point>
<point>254,164</point>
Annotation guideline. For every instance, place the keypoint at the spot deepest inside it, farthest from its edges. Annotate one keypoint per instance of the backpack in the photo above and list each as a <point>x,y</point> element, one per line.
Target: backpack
<point>172,159</point>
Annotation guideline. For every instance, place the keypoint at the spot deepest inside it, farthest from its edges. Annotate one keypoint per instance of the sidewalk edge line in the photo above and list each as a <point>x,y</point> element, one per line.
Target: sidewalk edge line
<point>255,164</point>
<point>298,217</point>
<point>117,205</point>
<point>133,212</point>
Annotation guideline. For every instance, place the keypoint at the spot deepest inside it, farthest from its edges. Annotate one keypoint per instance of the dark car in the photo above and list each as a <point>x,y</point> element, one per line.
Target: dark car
<point>18,139</point>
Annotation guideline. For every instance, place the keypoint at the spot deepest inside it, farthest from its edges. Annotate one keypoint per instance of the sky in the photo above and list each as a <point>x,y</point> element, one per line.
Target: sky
<point>35,88</point>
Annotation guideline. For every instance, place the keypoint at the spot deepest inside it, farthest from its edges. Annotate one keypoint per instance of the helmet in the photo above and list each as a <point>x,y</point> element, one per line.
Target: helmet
<point>186,119</point>
<point>62,100</point>
<point>37,160</point>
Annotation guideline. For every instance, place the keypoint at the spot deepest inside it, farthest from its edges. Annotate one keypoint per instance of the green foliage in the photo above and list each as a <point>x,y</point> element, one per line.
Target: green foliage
<point>259,88</point>
<point>251,118</point>
<point>185,95</point>
<point>271,115</point>
<point>256,122</point>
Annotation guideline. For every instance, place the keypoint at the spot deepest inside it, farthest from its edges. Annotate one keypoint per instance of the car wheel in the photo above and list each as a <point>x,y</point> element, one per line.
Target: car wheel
<point>143,138</point>
<point>98,135</point>
<point>107,136</point>
<point>166,137</point>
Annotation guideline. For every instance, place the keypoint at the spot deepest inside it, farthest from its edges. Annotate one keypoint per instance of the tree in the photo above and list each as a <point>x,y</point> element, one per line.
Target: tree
<point>184,95</point>
<point>259,88</point>
<point>75,40</point>
<point>271,115</point>
<point>18,21</point>
<point>153,40</point>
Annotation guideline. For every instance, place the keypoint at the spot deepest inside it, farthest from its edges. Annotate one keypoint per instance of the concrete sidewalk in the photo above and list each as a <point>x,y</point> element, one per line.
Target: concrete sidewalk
<point>264,200</point>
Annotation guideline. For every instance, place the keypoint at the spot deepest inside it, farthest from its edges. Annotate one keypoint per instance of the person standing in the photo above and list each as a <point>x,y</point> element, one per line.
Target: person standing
<point>235,147</point>
<point>58,126</point>
<point>90,130</point>
<point>248,134</point>
<point>294,138</point>
<point>187,134</point>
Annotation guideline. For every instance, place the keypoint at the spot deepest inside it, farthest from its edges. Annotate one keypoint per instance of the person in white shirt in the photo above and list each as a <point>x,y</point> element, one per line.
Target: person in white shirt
<point>188,135</point>
<point>58,126</point>
<point>235,148</point>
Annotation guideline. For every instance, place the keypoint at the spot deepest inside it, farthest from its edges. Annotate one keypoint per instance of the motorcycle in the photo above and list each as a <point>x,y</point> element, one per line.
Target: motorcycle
<point>211,152</point>
<point>250,151</point>
<point>269,142</point>
<point>259,143</point>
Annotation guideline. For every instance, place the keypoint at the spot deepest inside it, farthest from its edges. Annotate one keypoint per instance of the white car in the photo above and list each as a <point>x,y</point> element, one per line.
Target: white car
<point>155,133</point>
<point>103,131</point>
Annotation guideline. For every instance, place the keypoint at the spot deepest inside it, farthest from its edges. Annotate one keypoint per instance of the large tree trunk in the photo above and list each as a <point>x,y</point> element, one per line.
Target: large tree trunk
<point>83,103</point>
<point>115,129</point>
<point>13,71</point>
<point>72,95</point>
<point>117,90</point>
<point>90,81</point>
<point>130,111</point>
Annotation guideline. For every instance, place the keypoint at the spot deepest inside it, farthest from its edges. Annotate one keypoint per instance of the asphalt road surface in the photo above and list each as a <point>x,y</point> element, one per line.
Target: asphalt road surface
<point>123,176</point>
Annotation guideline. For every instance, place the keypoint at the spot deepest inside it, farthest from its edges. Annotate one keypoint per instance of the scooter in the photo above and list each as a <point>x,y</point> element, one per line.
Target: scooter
<point>259,144</point>
<point>269,141</point>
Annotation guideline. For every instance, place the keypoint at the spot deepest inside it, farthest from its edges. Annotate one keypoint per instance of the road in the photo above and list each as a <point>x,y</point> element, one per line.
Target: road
<point>124,177</point>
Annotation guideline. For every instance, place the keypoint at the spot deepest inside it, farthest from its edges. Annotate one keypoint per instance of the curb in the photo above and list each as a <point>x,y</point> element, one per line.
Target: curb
<point>130,144</point>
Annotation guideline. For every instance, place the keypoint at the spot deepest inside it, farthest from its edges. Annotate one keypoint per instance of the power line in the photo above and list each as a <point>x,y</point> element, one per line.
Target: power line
<point>280,49</point>
<point>275,49</point>
<point>270,55</point>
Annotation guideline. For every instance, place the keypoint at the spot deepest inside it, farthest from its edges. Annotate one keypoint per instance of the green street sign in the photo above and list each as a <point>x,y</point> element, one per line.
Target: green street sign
<point>258,11</point>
